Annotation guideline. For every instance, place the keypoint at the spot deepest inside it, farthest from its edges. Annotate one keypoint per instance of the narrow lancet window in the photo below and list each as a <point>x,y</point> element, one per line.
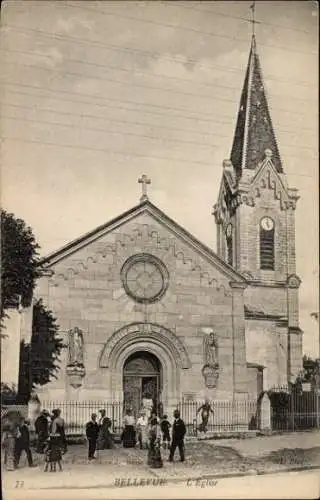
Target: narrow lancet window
<point>229,241</point>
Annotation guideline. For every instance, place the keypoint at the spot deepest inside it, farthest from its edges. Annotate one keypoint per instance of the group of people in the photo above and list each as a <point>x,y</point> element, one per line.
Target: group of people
<point>98,434</point>
<point>51,440</point>
<point>148,431</point>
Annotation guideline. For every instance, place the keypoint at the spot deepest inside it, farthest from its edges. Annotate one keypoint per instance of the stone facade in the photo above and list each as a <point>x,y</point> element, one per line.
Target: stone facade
<point>84,289</point>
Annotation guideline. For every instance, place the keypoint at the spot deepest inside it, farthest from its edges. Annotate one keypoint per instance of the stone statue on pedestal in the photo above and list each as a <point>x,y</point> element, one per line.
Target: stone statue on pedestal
<point>75,365</point>
<point>75,348</point>
<point>210,370</point>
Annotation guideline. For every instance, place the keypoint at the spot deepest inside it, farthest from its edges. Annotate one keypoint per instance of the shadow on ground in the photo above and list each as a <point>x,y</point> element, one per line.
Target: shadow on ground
<point>296,456</point>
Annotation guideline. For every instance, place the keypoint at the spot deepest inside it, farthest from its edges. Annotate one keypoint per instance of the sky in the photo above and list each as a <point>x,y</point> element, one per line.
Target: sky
<point>95,93</point>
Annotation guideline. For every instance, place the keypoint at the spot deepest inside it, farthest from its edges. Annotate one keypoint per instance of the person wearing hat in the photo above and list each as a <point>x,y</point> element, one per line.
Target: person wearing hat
<point>178,433</point>
<point>104,441</point>
<point>92,431</point>
<point>23,443</point>
<point>42,430</point>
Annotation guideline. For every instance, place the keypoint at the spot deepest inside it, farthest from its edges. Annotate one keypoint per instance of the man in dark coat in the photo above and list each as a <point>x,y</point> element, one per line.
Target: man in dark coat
<point>92,431</point>
<point>23,443</point>
<point>42,430</point>
<point>178,433</point>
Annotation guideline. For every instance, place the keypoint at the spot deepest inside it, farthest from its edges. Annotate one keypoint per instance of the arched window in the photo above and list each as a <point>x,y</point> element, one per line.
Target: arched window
<point>267,244</point>
<point>229,241</point>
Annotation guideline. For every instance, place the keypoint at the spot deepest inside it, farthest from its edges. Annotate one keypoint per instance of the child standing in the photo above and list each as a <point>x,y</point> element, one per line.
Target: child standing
<point>154,453</point>
<point>53,453</point>
<point>165,426</point>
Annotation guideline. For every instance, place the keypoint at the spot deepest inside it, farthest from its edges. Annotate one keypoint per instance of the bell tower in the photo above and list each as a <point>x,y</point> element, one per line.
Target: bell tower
<point>255,210</point>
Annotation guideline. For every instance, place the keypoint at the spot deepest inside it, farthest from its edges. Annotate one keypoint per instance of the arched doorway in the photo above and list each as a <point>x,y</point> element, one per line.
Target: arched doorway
<point>141,377</point>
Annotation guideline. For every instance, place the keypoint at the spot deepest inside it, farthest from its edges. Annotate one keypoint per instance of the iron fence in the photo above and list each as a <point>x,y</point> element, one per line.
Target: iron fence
<point>227,415</point>
<point>12,409</point>
<point>294,410</point>
<point>290,411</point>
<point>77,413</point>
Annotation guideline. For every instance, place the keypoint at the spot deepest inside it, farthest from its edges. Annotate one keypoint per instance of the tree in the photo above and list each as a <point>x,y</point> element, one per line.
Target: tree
<point>19,262</point>
<point>39,359</point>
<point>20,269</point>
<point>309,371</point>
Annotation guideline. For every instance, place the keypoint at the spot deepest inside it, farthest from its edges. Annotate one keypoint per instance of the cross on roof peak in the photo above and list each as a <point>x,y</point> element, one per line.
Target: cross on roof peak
<point>253,21</point>
<point>144,180</point>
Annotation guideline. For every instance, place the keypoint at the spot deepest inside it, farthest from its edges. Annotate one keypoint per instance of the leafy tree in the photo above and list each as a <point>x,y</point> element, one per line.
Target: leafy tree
<point>309,371</point>
<point>39,360</point>
<point>20,270</point>
<point>19,262</point>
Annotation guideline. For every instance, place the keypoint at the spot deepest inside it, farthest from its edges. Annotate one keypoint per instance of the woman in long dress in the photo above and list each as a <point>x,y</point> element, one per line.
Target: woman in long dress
<point>129,432</point>
<point>104,441</point>
<point>57,428</point>
<point>154,452</point>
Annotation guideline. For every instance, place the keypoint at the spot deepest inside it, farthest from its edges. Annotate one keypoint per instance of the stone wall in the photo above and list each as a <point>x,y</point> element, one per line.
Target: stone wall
<point>267,345</point>
<point>86,291</point>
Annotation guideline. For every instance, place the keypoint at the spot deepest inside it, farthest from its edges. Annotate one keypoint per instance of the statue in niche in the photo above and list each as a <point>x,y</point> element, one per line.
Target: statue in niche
<point>75,351</point>
<point>210,370</point>
<point>210,348</point>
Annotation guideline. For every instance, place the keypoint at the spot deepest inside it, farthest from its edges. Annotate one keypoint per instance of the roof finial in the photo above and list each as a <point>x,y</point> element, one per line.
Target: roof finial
<point>144,180</point>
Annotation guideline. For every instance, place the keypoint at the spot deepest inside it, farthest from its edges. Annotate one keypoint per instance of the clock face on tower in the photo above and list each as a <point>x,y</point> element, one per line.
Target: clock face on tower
<point>145,278</point>
<point>267,223</point>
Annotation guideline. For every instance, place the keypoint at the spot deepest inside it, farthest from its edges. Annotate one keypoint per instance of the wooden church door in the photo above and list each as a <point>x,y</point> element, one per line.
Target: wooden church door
<point>141,376</point>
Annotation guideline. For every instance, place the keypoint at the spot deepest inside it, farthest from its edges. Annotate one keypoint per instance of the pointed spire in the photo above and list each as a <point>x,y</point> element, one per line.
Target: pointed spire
<point>254,131</point>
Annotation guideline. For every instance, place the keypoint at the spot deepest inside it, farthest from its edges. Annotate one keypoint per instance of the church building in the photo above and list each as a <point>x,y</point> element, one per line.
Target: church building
<point>147,310</point>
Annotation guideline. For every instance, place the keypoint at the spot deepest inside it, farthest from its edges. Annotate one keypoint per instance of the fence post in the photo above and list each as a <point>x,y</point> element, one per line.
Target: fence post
<point>317,395</point>
<point>265,412</point>
<point>292,395</point>
<point>317,392</point>
<point>317,408</point>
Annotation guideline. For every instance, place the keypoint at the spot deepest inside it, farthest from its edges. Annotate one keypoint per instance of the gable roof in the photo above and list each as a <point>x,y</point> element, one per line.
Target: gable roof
<point>254,130</point>
<point>144,207</point>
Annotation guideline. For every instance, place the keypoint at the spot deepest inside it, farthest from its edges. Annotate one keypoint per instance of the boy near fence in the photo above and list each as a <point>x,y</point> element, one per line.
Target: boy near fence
<point>165,429</point>
<point>205,409</point>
